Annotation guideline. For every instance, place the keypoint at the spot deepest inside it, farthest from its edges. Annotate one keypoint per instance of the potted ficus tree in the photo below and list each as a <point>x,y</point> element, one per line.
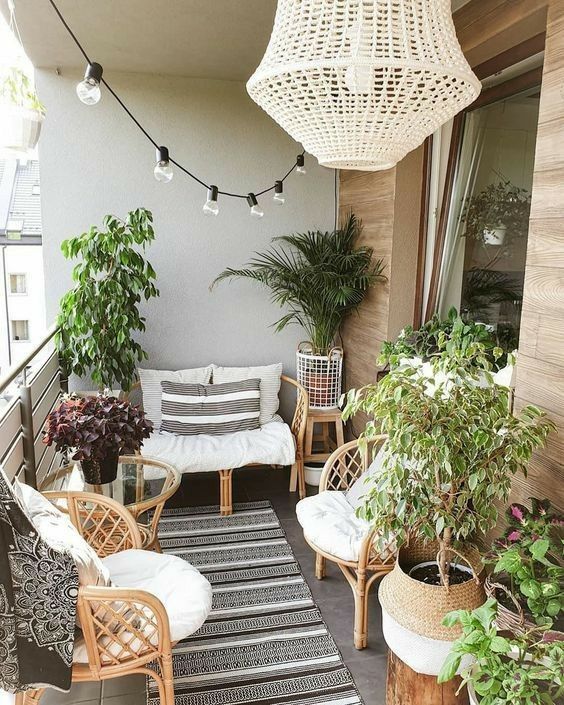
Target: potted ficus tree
<point>96,430</point>
<point>528,576</point>
<point>503,668</point>
<point>321,277</point>
<point>21,112</point>
<point>100,315</point>
<point>452,449</point>
<point>498,211</point>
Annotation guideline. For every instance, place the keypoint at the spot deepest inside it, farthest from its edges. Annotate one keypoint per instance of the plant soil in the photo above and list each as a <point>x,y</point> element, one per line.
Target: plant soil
<point>429,574</point>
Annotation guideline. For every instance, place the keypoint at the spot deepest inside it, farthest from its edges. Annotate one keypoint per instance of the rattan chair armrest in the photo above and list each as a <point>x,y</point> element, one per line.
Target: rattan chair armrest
<point>373,555</point>
<point>122,625</point>
<point>346,464</point>
<point>299,419</point>
<point>105,524</point>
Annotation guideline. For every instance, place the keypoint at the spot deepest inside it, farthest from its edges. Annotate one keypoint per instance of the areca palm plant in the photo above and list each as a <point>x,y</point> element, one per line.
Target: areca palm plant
<point>320,277</point>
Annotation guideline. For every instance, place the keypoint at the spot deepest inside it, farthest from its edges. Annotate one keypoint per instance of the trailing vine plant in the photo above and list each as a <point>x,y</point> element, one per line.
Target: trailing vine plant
<point>100,315</point>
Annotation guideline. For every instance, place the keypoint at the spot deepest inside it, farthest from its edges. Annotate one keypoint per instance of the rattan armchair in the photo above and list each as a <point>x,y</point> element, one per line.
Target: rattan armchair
<point>342,468</point>
<point>123,629</point>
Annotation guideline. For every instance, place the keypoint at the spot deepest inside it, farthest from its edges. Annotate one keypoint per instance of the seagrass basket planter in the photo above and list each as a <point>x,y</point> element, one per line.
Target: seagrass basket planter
<point>413,611</point>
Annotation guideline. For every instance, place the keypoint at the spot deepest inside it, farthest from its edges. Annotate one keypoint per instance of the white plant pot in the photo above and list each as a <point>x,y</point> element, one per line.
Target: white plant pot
<point>494,236</point>
<point>19,129</point>
<point>312,472</point>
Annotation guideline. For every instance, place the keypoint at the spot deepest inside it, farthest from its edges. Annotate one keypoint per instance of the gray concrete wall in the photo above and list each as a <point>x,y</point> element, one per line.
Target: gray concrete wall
<point>94,161</point>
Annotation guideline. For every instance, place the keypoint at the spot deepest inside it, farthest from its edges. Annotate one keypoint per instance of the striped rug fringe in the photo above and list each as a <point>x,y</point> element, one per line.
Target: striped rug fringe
<point>265,641</point>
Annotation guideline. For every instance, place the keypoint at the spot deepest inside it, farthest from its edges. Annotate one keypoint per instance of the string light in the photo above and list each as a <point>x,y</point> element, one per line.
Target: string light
<point>88,90</point>
<point>278,197</point>
<point>256,210</point>
<point>210,206</point>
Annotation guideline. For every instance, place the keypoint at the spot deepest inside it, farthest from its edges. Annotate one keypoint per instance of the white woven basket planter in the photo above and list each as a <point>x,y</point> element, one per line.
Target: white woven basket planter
<point>19,129</point>
<point>321,375</point>
<point>360,83</point>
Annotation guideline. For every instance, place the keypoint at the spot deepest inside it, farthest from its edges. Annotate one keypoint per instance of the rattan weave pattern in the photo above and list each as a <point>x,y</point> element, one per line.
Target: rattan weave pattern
<point>360,83</point>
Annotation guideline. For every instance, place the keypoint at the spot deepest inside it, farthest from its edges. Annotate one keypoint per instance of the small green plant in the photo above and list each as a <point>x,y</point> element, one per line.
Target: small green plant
<point>321,277</point>
<point>16,89</point>
<point>424,342</point>
<point>498,205</point>
<point>100,315</point>
<point>528,555</point>
<point>507,669</point>
<point>452,446</point>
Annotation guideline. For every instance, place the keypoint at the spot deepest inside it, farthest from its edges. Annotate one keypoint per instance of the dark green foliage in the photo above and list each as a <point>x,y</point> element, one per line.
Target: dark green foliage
<point>501,204</point>
<point>100,315</point>
<point>508,669</point>
<point>320,277</point>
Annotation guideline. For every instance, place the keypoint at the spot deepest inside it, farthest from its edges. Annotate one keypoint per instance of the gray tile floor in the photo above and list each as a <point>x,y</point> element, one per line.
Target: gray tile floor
<point>333,595</point>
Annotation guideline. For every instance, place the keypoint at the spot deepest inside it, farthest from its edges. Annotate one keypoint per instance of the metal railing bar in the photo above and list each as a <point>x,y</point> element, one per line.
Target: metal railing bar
<point>17,369</point>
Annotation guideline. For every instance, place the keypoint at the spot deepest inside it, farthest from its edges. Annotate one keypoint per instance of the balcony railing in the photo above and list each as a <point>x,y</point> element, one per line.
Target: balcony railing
<point>29,391</point>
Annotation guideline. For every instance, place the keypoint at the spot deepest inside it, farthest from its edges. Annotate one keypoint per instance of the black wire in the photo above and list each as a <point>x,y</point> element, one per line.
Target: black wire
<point>148,136</point>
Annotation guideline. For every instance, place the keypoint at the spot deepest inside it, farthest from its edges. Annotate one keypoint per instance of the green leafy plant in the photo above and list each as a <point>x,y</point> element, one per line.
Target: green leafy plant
<point>506,669</point>
<point>427,340</point>
<point>498,205</point>
<point>485,287</point>
<point>452,446</point>
<point>528,554</point>
<point>17,90</point>
<point>321,277</point>
<point>100,315</point>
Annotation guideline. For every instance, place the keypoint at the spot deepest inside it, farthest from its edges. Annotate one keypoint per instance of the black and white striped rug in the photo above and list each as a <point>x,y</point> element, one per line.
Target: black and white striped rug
<point>265,641</point>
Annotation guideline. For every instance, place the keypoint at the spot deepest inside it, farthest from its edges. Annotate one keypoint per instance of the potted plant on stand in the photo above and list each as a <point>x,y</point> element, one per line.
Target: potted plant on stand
<point>498,211</point>
<point>21,113</point>
<point>504,668</point>
<point>452,449</point>
<point>96,430</point>
<point>321,277</point>
<point>100,315</point>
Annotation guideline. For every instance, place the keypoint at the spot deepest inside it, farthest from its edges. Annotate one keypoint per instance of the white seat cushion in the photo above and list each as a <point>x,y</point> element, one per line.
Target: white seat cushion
<point>271,444</point>
<point>185,593</point>
<point>330,523</point>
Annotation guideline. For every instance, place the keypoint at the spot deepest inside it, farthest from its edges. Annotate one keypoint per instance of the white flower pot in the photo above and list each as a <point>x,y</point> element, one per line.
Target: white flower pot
<point>312,472</point>
<point>494,236</point>
<point>19,129</point>
<point>320,375</point>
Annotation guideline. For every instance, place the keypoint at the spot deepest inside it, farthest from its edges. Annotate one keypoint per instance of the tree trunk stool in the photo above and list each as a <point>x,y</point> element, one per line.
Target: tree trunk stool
<point>405,687</point>
<point>319,446</point>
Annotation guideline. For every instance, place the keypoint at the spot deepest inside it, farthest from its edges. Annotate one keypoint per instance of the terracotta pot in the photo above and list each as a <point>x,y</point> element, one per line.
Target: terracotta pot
<point>100,472</point>
<point>413,611</point>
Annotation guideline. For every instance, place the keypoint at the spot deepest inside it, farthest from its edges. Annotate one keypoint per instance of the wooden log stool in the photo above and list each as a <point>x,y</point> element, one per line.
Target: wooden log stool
<point>318,447</point>
<point>405,687</point>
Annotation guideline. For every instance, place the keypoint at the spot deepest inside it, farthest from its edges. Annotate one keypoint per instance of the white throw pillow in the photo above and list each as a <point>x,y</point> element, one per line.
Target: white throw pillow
<point>269,376</point>
<point>57,530</point>
<point>356,494</point>
<point>151,387</point>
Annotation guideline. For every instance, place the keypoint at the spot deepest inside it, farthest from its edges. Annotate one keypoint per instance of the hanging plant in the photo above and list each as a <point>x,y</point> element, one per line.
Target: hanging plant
<point>100,315</point>
<point>21,112</point>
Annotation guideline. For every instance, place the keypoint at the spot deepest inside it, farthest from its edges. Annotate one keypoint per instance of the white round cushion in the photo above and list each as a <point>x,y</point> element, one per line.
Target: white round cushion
<point>184,592</point>
<point>330,523</point>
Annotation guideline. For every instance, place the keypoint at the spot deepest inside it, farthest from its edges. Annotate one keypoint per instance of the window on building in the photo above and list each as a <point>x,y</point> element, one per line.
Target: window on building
<point>483,264</point>
<point>18,284</point>
<point>35,190</point>
<point>20,330</point>
<point>14,228</point>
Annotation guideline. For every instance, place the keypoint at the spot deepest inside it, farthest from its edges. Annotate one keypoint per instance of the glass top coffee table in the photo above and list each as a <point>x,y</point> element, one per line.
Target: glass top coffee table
<point>142,485</point>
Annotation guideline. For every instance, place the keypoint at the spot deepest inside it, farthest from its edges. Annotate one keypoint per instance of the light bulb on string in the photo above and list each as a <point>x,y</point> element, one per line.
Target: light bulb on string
<point>300,165</point>
<point>163,171</point>
<point>210,206</point>
<point>88,90</point>
<point>256,210</point>
<point>278,197</point>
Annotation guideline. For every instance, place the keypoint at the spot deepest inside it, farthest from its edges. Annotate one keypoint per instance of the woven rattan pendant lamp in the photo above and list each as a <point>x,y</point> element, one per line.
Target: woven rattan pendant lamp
<point>360,83</point>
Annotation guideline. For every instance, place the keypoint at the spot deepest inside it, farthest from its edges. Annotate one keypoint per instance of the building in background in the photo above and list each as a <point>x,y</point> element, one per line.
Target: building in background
<point>22,292</point>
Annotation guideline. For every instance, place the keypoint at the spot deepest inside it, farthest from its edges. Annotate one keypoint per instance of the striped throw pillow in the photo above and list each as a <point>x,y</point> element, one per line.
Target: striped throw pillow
<point>213,409</point>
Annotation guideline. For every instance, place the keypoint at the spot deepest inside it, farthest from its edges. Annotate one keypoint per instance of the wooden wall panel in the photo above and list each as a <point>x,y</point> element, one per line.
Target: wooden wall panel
<point>540,369</point>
